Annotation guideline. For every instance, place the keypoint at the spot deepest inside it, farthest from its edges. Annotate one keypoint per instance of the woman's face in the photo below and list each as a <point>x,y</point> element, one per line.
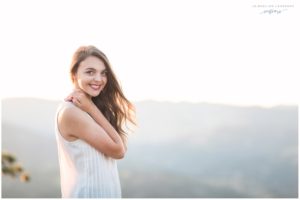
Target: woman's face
<point>91,76</point>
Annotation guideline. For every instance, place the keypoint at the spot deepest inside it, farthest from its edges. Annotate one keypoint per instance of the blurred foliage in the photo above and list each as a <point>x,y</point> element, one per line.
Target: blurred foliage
<point>11,168</point>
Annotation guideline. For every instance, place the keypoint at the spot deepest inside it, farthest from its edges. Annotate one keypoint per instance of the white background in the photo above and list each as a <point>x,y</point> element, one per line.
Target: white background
<point>169,50</point>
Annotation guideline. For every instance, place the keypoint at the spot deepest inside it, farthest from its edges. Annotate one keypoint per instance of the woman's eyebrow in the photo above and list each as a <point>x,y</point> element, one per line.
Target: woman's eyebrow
<point>90,68</point>
<point>93,69</point>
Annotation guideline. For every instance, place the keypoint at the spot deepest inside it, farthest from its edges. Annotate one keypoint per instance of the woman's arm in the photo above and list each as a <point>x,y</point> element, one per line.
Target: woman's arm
<point>93,128</point>
<point>97,115</point>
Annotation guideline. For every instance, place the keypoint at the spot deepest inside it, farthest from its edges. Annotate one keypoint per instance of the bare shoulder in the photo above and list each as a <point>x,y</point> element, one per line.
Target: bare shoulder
<point>69,111</point>
<point>70,118</point>
<point>75,123</point>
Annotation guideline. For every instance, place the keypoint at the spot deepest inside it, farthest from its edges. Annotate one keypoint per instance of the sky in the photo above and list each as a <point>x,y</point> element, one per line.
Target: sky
<point>230,52</point>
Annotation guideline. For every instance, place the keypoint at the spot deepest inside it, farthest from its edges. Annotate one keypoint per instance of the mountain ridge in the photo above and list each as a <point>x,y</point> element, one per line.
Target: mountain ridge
<point>226,151</point>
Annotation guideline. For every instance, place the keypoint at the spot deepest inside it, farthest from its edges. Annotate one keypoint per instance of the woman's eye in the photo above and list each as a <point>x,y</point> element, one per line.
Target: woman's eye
<point>89,72</point>
<point>104,73</point>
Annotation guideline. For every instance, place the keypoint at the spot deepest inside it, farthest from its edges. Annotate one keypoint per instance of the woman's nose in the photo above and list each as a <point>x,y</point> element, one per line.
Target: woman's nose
<point>98,77</point>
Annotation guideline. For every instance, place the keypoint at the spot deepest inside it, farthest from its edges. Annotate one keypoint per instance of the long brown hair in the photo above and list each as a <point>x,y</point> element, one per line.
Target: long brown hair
<point>117,109</point>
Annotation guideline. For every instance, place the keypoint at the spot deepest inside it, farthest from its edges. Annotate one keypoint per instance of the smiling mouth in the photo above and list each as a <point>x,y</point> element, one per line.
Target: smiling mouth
<point>95,87</point>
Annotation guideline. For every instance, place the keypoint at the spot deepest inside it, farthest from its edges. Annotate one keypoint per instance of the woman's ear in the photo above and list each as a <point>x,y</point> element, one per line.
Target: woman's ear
<point>74,80</point>
<point>72,76</point>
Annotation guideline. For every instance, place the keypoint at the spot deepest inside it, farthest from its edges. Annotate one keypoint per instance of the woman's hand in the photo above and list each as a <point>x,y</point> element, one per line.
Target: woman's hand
<point>98,132</point>
<point>81,100</point>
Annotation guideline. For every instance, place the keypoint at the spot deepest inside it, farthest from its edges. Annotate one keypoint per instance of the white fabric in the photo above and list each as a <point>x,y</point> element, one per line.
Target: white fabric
<point>84,171</point>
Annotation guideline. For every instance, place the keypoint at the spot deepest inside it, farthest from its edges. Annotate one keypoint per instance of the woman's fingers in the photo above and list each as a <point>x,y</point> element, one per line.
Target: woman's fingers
<point>76,102</point>
<point>69,98</point>
<point>79,99</point>
<point>77,93</point>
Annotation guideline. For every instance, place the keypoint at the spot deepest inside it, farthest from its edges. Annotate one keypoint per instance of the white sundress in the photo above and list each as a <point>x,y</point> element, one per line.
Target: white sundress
<point>84,171</point>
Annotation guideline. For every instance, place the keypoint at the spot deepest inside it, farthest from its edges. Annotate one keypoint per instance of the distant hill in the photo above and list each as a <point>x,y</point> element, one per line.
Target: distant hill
<point>178,150</point>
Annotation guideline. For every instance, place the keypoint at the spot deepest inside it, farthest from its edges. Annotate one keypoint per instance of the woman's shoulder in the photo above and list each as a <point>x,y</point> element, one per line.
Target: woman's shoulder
<point>68,109</point>
<point>69,115</point>
<point>65,104</point>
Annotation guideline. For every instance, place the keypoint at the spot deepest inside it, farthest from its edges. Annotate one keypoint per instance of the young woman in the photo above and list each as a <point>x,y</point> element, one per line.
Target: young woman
<point>90,128</point>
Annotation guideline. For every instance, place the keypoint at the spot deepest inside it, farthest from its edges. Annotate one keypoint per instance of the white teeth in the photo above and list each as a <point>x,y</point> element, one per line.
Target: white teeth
<point>95,87</point>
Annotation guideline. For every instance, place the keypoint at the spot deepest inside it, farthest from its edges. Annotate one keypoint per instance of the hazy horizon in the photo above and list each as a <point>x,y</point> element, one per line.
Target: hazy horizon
<point>178,150</point>
<point>167,101</point>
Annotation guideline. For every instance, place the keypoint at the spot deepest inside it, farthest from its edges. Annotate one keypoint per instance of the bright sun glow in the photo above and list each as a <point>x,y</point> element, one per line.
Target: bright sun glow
<point>171,50</point>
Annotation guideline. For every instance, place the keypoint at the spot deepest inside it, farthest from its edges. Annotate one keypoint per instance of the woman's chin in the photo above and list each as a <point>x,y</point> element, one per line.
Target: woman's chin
<point>94,94</point>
